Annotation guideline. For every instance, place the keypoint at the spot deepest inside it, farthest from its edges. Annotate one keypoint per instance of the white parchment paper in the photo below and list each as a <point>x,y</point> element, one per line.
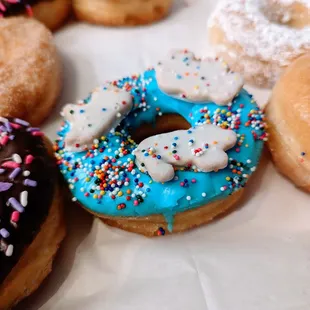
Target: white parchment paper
<point>256,258</point>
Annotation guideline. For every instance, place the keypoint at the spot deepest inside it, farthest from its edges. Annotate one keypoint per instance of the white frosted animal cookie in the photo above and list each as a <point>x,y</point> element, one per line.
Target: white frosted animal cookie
<point>105,110</point>
<point>203,146</point>
<point>197,80</point>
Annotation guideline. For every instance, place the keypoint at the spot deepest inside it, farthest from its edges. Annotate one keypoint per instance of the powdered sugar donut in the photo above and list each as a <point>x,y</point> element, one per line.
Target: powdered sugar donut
<point>30,71</point>
<point>259,38</point>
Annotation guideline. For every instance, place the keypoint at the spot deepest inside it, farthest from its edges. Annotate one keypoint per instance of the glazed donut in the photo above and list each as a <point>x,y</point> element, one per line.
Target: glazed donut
<point>30,70</point>
<point>121,13</point>
<point>31,218</point>
<point>52,13</point>
<point>288,113</point>
<point>260,38</point>
<point>179,176</point>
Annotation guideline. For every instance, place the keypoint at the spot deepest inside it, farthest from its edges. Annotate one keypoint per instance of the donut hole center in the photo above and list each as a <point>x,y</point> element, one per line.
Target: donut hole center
<point>163,124</point>
<point>294,16</point>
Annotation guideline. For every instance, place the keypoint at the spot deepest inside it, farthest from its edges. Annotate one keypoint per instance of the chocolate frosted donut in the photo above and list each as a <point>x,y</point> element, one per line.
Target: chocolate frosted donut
<point>10,8</point>
<point>28,184</point>
<point>52,13</point>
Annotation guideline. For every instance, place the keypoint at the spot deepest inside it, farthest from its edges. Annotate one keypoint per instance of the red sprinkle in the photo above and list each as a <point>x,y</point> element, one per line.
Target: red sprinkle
<point>121,206</point>
<point>2,7</point>
<point>37,133</point>
<point>29,158</point>
<point>29,10</point>
<point>10,164</point>
<point>16,126</point>
<point>15,216</point>
<point>4,140</point>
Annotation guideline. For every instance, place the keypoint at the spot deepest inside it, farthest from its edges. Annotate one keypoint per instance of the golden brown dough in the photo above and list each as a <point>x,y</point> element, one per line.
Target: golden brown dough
<point>288,114</point>
<point>148,225</point>
<point>30,70</point>
<point>52,13</point>
<point>121,13</point>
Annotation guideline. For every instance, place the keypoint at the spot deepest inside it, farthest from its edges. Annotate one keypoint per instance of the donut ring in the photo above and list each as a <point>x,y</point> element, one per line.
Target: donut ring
<point>31,210</point>
<point>288,118</point>
<point>166,183</point>
<point>30,70</point>
<point>121,13</point>
<point>51,13</point>
<point>112,186</point>
<point>257,39</point>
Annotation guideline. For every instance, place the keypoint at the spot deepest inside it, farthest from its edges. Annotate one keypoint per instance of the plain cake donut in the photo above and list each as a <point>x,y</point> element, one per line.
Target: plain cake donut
<point>121,13</point>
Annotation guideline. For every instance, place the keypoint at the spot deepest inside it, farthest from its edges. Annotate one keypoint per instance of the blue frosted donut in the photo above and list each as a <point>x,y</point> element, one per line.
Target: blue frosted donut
<point>106,180</point>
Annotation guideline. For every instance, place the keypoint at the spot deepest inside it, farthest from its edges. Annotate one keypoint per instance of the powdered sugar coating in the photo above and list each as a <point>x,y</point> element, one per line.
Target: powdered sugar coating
<point>245,24</point>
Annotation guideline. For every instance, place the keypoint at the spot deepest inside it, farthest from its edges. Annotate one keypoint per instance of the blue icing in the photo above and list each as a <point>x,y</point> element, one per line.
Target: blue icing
<point>189,189</point>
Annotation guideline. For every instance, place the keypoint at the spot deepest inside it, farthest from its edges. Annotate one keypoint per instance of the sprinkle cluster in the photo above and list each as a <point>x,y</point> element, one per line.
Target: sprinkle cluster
<point>111,175</point>
<point>241,172</point>
<point>230,118</point>
<point>15,167</point>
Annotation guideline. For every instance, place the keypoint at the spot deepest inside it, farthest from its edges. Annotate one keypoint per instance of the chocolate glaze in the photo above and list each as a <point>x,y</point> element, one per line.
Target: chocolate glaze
<point>42,170</point>
<point>17,8</point>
